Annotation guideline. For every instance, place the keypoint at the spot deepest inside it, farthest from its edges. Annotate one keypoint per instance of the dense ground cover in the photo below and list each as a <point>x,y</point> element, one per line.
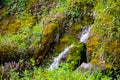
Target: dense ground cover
<point>41,29</point>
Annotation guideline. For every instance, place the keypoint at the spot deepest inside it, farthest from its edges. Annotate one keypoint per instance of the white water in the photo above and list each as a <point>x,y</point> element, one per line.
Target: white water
<point>57,59</point>
<point>84,37</point>
<point>85,34</point>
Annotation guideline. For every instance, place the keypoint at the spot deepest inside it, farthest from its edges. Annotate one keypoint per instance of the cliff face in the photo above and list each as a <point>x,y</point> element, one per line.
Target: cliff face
<point>42,29</point>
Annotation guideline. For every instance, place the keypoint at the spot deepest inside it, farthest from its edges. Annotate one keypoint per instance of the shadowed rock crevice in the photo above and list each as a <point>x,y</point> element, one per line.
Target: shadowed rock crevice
<point>76,55</point>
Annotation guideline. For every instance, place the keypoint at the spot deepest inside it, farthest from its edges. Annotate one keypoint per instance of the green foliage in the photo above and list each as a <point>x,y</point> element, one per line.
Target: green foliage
<point>110,11</point>
<point>64,42</point>
<point>74,13</point>
<point>75,56</point>
<point>74,10</point>
<point>16,6</point>
<point>23,35</point>
<point>63,73</point>
<point>104,41</point>
<point>19,43</point>
<point>36,34</point>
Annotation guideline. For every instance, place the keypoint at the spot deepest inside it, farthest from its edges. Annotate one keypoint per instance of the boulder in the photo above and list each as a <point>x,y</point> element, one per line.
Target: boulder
<point>89,67</point>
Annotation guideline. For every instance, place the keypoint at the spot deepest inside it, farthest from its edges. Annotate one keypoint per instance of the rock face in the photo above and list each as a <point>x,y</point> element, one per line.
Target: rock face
<point>91,68</point>
<point>104,42</point>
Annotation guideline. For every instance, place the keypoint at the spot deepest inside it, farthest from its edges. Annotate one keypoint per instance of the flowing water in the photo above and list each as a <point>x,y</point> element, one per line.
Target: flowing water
<point>83,38</point>
<point>57,59</point>
<point>85,34</point>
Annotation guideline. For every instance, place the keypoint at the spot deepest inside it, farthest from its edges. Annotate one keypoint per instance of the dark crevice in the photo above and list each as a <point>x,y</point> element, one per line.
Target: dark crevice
<point>83,55</point>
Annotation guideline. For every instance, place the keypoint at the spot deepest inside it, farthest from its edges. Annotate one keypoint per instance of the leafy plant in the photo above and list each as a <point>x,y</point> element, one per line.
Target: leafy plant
<point>63,73</point>
<point>16,6</point>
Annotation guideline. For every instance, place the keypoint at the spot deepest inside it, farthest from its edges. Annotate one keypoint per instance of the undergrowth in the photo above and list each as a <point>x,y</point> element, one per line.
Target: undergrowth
<point>62,73</point>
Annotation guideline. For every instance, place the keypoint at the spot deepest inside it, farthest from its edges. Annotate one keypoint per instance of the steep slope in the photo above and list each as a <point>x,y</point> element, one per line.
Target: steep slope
<point>103,46</point>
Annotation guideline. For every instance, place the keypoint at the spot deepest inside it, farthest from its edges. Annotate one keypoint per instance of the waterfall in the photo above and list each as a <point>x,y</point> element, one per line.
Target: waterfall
<point>83,38</point>
<point>57,59</point>
<point>85,34</point>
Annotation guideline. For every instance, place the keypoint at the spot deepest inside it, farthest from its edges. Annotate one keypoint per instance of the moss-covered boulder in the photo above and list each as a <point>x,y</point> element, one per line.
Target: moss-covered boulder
<point>76,55</point>
<point>103,46</point>
<point>14,36</point>
<point>51,30</point>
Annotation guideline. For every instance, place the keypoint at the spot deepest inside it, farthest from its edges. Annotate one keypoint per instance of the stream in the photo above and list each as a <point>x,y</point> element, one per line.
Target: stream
<point>83,38</point>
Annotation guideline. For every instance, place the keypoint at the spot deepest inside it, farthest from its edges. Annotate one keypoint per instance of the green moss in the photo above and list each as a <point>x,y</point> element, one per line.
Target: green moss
<point>8,53</point>
<point>64,42</point>
<point>103,43</point>
<point>49,33</point>
<point>98,62</point>
<point>12,24</point>
<point>25,42</point>
<point>75,55</point>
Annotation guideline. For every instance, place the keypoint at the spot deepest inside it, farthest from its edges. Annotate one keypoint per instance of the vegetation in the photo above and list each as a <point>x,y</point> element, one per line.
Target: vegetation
<point>76,56</point>
<point>106,34</point>
<point>41,29</point>
<point>63,73</point>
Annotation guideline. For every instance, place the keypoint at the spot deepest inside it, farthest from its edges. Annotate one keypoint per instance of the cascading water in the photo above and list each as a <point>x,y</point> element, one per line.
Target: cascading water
<point>83,38</point>
<point>85,34</point>
<point>57,60</point>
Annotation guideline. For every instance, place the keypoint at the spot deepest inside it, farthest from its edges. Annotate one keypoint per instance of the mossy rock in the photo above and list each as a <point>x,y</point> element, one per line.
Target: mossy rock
<point>104,41</point>
<point>47,41</point>
<point>12,24</point>
<point>76,55</point>
<point>70,36</point>
<point>8,53</point>
<point>64,42</point>
<point>50,31</point>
